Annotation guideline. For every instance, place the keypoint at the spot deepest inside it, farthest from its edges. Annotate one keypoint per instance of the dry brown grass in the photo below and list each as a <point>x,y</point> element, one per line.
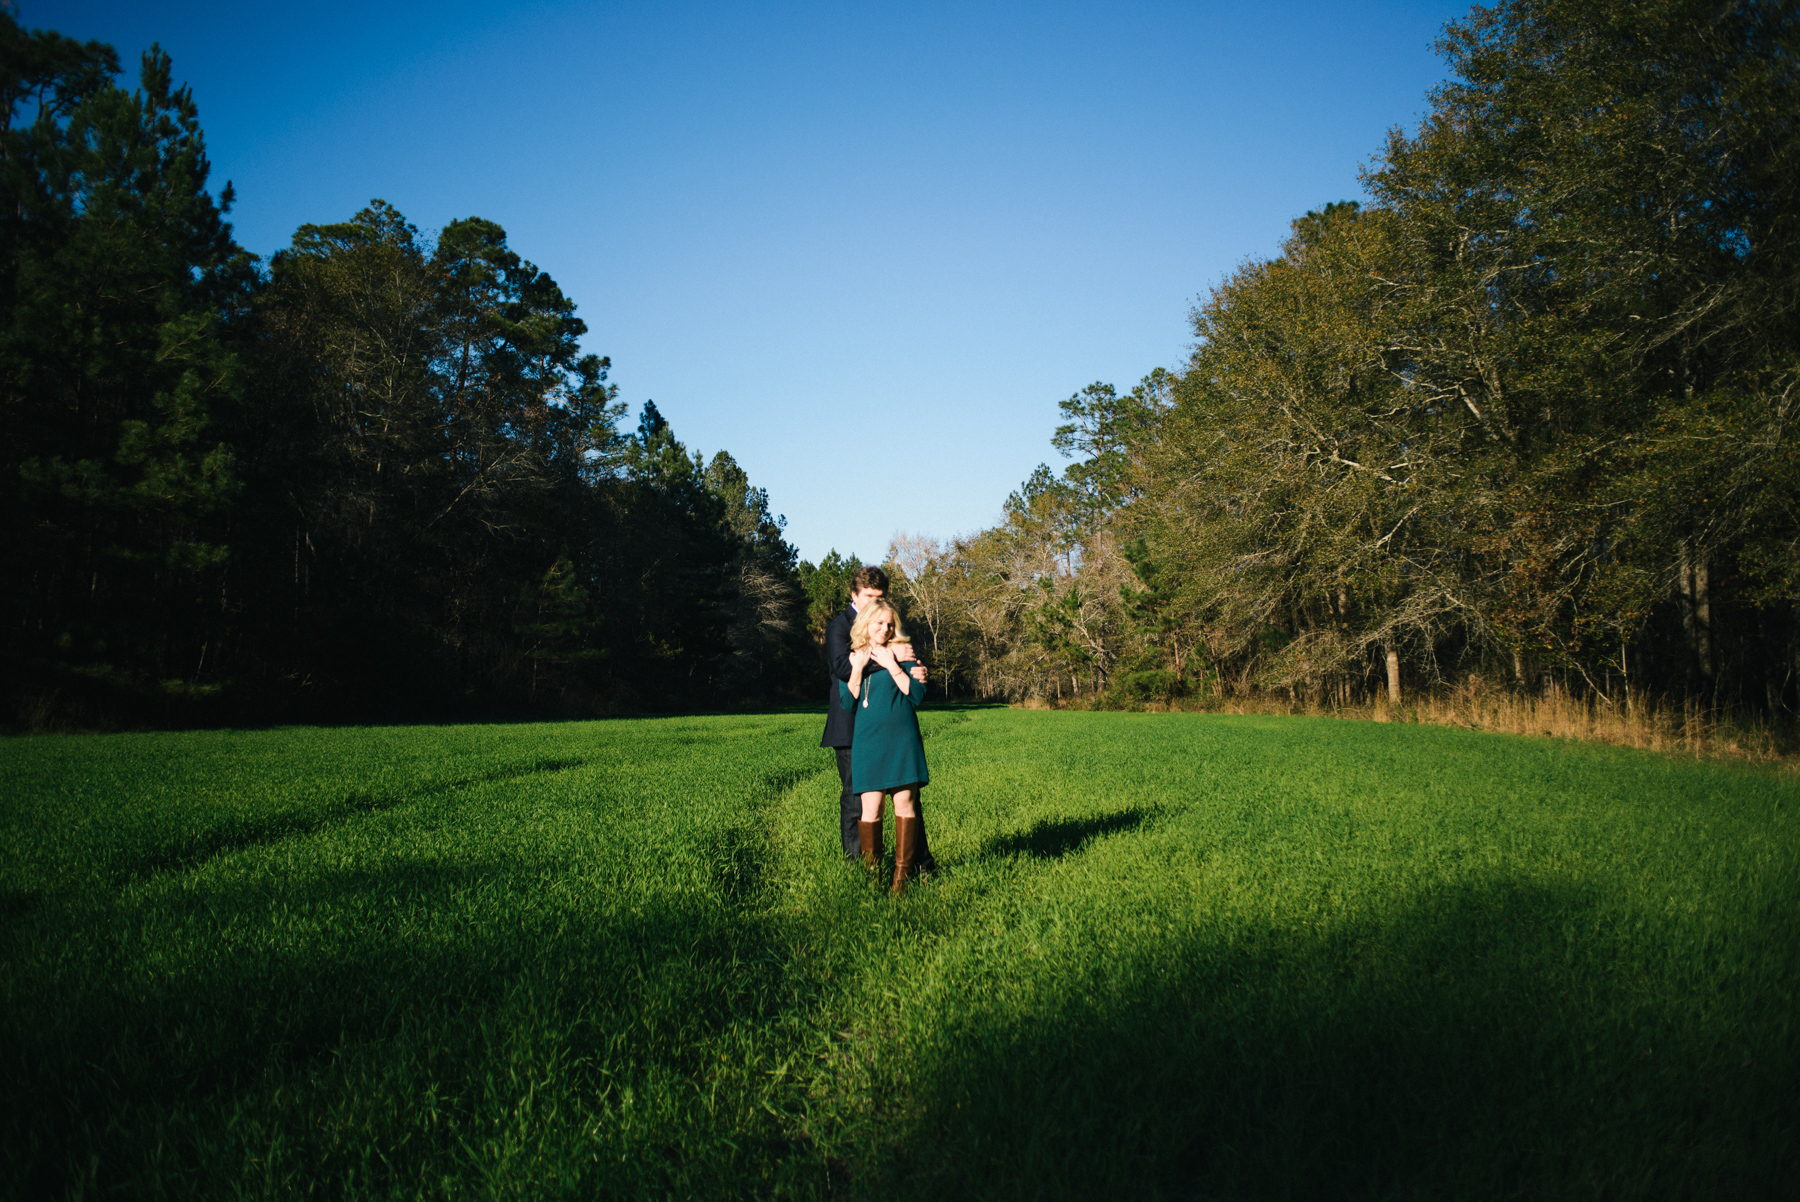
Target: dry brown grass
<point>1676,727</point>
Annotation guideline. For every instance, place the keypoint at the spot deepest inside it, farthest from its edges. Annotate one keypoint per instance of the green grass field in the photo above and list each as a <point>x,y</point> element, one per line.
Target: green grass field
<point>1167,955</point>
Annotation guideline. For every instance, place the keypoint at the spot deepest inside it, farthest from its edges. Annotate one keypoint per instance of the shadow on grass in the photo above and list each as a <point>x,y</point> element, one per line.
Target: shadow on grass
<point>774,784</point>
<point>508,772</point>
<point>381,1059</point>
<point>1471,1044</point>
<point>1059,837</point>
<point>16,903</point>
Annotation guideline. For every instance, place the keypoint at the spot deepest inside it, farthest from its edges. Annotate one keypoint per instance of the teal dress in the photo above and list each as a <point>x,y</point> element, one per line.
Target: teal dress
<point>886,751</point>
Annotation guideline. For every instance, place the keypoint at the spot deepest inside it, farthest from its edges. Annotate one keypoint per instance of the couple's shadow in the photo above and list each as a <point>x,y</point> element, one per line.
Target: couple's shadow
<point>1055,838</point>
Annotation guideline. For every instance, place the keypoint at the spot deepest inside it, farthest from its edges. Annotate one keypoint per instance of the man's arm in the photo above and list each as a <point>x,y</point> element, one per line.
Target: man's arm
<point>905,651</point>
<point>837,649</point>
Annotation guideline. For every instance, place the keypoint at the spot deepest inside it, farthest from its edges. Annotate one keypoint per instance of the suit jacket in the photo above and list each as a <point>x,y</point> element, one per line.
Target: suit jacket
<point>840,723</point>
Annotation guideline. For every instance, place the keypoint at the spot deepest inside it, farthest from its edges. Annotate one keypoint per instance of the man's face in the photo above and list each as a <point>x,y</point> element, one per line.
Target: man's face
<point>863,597</point>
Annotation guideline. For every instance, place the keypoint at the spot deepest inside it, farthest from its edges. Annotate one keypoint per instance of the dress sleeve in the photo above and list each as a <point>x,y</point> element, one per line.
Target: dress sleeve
<point>915,691</point>
<point>846,698</point>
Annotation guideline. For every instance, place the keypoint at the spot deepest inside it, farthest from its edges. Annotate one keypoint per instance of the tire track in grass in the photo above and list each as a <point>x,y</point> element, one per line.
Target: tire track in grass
<point>821,907</point>
<point>244,834</point>
<point>753,1044</point>
<point>133,853</point>
<point>786,943</point>
<point>739,852</point>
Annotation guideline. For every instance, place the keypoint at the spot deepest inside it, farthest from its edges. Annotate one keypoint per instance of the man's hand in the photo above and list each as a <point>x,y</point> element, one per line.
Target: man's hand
<point>904,651</point>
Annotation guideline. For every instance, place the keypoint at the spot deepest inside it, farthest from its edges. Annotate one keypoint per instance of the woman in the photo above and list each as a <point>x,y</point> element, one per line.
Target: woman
<point>886,753</point>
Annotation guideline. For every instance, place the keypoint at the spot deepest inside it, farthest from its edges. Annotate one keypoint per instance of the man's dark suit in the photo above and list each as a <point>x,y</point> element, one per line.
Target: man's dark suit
<point>840,728</point>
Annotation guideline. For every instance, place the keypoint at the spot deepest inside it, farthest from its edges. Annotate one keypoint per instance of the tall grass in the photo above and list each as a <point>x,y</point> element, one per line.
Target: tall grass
<point>1682,725</point>
<point>1628,718</point>
<point>1174,955</point>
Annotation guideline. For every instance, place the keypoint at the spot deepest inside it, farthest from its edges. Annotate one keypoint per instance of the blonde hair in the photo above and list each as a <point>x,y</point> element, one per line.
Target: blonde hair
<point>859,629</point>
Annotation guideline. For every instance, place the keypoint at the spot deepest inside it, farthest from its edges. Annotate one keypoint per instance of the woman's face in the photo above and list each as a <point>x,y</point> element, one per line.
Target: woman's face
<point>880,627</point>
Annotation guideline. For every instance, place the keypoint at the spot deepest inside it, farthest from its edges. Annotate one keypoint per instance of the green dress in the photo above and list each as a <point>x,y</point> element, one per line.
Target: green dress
<point>886,751</point>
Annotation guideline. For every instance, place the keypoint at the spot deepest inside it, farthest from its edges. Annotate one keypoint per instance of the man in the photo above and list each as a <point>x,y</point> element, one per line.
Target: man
<point>866,587</point>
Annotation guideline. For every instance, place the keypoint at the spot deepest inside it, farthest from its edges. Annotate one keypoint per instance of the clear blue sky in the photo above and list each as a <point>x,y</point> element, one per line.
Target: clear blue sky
<point>865,248</point>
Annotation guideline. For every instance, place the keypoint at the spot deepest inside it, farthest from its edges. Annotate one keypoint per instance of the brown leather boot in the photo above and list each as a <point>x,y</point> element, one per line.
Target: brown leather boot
<point>869,834</point>
<point>906,841</point>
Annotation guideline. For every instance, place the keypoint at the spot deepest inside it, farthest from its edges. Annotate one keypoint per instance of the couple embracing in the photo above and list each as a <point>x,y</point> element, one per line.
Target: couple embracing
<point>876,686</point>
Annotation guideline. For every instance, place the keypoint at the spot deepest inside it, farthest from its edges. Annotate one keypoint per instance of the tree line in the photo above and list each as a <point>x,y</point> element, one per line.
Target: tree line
<point>1525,414</point>
<point>374,476</point>
<point>1522,414</point>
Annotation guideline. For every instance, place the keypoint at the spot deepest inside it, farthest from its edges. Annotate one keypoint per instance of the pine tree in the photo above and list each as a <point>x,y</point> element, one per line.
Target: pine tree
<point>121,286</point>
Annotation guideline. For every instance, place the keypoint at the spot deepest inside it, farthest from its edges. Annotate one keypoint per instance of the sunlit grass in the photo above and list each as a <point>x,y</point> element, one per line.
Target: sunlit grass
<point>1181,955</point>
<point>1259,957</point>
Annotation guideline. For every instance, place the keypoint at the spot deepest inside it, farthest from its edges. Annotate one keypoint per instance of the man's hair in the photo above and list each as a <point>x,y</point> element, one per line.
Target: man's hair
<point>868,576</point>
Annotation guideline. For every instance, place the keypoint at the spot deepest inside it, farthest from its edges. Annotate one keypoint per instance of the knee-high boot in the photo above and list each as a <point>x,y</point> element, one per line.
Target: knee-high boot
<point>869,835</point>
<point>906,840</point>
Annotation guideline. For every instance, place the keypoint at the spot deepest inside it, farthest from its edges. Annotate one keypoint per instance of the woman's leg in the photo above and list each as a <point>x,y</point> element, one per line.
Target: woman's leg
<point>871,803</point>
<point>868,831</point>
<point>903,803</point>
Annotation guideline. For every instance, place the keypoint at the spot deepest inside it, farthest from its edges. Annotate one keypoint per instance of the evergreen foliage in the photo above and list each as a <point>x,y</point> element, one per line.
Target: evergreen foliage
<point>374,477</point>
<point>119,290</point>
<point>827,589</point>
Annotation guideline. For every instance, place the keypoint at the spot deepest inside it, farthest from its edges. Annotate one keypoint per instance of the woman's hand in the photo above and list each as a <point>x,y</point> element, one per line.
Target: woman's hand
<point>858,661</point>
<point>884,656</point>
